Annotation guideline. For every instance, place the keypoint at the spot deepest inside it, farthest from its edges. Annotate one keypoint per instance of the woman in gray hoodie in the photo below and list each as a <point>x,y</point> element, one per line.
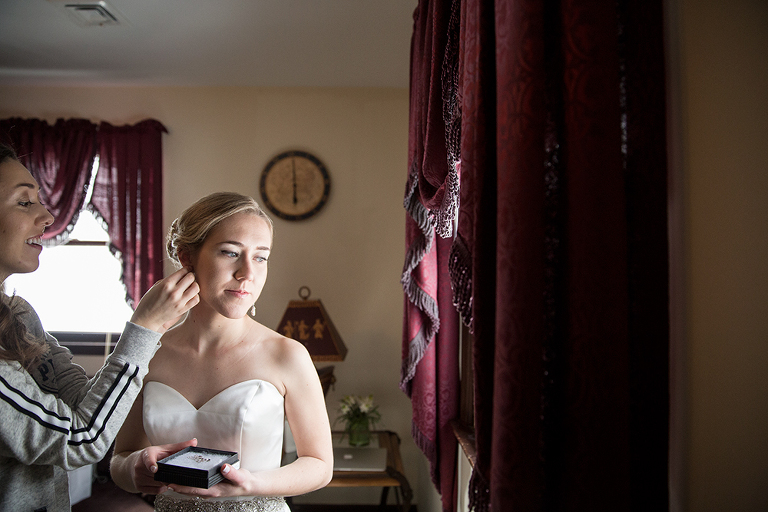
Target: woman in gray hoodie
<point>54,418</point>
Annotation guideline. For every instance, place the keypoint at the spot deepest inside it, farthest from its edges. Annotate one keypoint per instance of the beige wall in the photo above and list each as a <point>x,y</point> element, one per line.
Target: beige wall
<point>722,128</point>
<point>350,254</point>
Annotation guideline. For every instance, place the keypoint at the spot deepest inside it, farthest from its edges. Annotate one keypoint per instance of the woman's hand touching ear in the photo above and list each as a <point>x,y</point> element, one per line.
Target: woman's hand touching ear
<point>168,299</point>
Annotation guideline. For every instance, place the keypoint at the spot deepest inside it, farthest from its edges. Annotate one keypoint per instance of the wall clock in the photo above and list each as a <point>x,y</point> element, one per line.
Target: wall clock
<point>294,185</point>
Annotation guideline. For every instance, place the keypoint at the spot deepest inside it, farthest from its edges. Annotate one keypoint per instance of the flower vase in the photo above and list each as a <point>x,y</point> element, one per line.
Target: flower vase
<point>359,433</point>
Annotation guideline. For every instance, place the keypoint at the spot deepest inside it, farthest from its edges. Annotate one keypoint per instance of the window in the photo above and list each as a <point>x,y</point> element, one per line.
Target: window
<point>77,286</point>
<point>464,427</point>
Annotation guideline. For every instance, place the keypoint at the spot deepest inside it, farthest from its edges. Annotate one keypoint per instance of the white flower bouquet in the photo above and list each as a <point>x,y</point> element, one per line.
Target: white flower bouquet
<point>360,415</point>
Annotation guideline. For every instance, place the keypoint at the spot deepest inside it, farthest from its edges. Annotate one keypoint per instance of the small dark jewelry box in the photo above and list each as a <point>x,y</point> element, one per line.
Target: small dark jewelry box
<point>195,467</point>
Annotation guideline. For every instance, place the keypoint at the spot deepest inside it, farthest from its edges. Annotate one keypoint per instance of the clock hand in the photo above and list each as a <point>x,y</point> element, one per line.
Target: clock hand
<point>295,199</point>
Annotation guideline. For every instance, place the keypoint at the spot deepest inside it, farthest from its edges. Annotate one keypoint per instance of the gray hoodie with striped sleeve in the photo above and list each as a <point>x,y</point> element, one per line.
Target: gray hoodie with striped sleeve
<point>55,419</point>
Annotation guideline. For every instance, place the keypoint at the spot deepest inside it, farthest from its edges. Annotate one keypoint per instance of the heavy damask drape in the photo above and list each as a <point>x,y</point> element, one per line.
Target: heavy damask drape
<point>430,375</point>
<point>560,260</point>
<point>127,193</point>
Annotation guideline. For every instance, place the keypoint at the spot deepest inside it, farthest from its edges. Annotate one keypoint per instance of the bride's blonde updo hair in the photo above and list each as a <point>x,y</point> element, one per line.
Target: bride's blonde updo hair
<point>189,231</point>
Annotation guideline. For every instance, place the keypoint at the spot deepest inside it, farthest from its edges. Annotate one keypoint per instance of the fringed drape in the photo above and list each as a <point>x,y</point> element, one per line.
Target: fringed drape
<point>559,264</point>
<point>429,374</point>
<point>127,196</point>
<point>60,157</point>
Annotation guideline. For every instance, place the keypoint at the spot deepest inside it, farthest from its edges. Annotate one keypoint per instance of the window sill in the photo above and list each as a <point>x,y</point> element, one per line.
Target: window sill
<point>87,343</point>
<point>466,437</point>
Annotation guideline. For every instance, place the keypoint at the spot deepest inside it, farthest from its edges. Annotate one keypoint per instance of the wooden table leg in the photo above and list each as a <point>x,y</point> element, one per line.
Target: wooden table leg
<point>405,488</point>
<point>384,494</point>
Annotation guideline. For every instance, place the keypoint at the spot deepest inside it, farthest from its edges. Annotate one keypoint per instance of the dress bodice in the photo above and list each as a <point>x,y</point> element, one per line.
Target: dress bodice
<point>247,418</point>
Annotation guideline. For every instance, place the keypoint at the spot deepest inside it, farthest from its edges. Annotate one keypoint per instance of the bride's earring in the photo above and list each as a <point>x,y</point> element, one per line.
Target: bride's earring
<point>253,310</point>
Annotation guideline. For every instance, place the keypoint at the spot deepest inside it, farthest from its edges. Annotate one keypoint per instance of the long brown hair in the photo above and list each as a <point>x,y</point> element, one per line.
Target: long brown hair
<point>15,342</point>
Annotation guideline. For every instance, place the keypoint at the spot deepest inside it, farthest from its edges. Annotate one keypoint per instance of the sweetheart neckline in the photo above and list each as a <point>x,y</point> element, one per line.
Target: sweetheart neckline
<point>249,381</point>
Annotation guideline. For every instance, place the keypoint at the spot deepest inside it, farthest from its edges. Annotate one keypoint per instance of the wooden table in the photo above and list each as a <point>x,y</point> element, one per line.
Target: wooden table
<point>393,476</point>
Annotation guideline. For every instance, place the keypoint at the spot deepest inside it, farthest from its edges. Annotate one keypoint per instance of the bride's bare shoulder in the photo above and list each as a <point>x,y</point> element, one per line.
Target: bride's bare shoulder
<point>283,346</point>
<point>282,358</point>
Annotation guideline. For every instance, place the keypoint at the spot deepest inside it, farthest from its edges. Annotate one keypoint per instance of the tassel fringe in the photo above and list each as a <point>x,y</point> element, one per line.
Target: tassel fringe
<point>420,246</point>
<point>479,493</point>
<point>460,270</point>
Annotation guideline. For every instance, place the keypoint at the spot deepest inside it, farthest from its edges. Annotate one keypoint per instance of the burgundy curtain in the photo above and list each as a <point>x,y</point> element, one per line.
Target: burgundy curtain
<point>564,221</point>
<point>127,196</point>
<point>560,260</point>
<point>60,157</point>
<point>429,374</point>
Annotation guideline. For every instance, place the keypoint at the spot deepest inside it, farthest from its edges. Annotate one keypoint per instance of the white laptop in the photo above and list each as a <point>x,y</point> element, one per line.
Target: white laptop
<point>346,458</point>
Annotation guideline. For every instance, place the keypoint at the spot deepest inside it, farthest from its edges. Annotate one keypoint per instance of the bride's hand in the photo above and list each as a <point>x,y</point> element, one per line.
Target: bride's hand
<point>145,465</point>
<point>237,482</point>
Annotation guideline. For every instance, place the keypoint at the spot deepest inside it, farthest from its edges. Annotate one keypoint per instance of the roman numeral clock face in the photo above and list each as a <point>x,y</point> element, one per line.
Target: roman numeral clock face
<point>294,185</point>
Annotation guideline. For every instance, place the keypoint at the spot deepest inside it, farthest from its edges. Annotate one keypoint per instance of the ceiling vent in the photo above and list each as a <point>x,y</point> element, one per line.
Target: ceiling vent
<point>93,14</point>
<point>90,13</point>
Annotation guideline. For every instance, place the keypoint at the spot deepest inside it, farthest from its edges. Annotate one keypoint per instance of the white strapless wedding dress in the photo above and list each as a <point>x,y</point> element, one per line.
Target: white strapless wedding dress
<point>247,418</point>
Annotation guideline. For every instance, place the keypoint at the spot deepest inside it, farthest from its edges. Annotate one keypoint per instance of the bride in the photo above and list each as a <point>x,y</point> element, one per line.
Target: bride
<point>224,381</point>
